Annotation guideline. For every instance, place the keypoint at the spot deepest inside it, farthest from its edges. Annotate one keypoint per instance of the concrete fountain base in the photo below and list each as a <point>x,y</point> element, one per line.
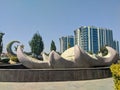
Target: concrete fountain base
<point>45,75</point>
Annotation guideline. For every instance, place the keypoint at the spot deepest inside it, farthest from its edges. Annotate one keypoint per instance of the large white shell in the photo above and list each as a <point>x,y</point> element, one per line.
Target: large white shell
<point>74,57</point>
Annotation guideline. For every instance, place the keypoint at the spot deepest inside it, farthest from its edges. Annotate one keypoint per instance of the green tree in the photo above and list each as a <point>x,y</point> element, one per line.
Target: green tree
<point>68,46</point>
<point>104,50</point>
<point>90,52</point>
<point>36,45</point>
<point>1,43</point>
<point>53,47</point>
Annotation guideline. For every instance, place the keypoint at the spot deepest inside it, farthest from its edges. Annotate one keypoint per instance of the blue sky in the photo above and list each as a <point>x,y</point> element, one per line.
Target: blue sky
<point>20,19</point>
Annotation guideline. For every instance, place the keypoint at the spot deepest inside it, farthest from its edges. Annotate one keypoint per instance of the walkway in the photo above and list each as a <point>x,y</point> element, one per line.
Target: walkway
<point>99,84</point>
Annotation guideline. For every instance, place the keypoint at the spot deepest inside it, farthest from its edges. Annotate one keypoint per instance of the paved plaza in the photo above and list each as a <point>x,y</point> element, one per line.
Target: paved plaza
<point>98,84</point>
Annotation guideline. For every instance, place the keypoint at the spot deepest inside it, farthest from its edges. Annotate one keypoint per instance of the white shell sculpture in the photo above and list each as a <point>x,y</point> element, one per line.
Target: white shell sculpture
<point>85,59</point>
<point>30,62</point>
<point>57,61</point>
<point>74,57</point>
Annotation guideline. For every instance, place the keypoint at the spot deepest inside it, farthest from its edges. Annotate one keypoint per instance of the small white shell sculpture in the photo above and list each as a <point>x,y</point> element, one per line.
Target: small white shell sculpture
<point>74,57</point>
<point>30,62</point>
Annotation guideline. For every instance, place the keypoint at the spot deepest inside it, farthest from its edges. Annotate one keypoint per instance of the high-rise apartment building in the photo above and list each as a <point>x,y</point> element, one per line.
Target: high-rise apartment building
<point>65,42</point>
<point>91,38</point>
<point>105,37</point>
<point>116,46</point>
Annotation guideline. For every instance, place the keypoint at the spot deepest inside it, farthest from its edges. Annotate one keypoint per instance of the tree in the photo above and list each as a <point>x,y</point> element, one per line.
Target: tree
<point>1,43</point>
<point>104,50</point>
<point>53,47</point>
<point>68,46</point>
<point>36,45</point>
<point>90,52</point>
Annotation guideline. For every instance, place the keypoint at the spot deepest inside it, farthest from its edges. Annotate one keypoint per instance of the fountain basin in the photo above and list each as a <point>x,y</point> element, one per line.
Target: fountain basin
<point>47,75</point>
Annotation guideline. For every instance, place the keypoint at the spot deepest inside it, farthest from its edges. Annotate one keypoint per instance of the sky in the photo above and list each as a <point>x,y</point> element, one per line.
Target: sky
<point>21,19</point>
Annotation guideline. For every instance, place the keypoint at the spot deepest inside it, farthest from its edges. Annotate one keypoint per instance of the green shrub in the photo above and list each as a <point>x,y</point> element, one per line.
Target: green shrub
<point>14,58</point>
<point>115,69</point>
<point>4,59</point>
